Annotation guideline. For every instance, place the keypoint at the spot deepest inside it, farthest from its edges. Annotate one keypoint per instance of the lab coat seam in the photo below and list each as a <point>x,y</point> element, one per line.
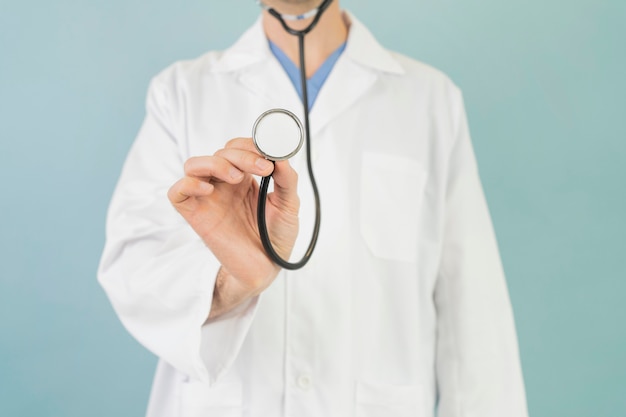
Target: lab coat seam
<point>454,347</point>
<point>445,279</point>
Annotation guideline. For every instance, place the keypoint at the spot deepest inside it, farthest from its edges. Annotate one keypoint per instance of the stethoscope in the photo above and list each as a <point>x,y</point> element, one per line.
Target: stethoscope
<point>278,135</point>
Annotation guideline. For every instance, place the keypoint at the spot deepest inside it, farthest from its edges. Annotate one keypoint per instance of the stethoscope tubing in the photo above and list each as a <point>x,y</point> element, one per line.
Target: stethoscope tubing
<point>265,181</point>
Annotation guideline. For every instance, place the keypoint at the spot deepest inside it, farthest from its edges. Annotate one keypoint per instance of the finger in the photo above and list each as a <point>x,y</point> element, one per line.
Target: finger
<point>188,187</point>
<point>213,168</point>
<point>247,161</point>
<point>245,144</point>
<point>285,185</point>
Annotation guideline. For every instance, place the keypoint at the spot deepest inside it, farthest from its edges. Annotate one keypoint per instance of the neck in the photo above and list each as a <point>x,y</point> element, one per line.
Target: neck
<point>323,40</point>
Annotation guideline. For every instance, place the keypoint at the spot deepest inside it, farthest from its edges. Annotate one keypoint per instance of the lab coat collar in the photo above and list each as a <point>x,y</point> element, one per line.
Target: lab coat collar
<point>362,48</point>
<point>363,61</point>
<point>252,47</point>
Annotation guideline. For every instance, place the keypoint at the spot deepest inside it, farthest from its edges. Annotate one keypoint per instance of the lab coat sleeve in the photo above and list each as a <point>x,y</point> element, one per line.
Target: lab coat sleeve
<point>156,271</point>
<point>478,366</point>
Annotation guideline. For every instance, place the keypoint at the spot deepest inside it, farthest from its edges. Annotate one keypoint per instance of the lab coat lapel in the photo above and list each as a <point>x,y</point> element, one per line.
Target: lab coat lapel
<point>269,81</point>
<point>345,85</point>
<point>251,61</point>
<point>354,74</point>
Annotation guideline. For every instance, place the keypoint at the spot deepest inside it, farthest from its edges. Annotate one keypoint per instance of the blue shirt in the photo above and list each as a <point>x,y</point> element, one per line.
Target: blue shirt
<point>315,83</point>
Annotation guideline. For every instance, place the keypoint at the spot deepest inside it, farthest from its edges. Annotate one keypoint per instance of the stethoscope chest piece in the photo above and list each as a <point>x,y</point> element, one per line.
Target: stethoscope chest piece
<point>278,134</point>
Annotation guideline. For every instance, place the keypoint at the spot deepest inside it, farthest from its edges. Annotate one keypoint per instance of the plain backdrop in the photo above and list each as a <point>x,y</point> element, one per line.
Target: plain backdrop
<point>544,84</point>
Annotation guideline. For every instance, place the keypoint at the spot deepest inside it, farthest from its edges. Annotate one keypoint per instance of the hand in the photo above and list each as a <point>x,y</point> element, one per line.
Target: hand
<point>218,198</point>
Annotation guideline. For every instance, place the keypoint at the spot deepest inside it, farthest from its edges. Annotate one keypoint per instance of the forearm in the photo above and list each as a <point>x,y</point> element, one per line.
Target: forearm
<point>221,303</point>
<point>228,294</point>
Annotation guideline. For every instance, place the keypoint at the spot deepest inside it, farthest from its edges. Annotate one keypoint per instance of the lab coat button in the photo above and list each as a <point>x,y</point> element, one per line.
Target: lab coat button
<point>304,382</point>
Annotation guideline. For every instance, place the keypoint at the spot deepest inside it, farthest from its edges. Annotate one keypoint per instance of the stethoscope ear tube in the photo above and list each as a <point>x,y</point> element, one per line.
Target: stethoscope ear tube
<point>318,14</point>
<point>264,235</point>
<point>265,181</point>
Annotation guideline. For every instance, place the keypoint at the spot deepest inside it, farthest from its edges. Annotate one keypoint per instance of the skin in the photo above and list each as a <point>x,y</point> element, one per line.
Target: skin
<point>319,44</point>
<point>218,194</point>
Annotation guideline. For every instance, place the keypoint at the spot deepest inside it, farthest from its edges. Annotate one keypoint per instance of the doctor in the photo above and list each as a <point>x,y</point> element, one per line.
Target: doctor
<point>403,308</point>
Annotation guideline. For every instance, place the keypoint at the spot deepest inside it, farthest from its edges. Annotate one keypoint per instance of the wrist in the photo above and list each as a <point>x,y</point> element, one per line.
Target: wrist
<point>229,292</point>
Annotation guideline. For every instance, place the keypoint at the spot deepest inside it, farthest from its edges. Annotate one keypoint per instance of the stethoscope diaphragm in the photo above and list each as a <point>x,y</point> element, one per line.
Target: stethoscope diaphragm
<point>278,134</point>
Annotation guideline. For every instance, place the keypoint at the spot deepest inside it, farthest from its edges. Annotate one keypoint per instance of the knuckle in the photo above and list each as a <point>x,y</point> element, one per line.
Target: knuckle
<point>250,159</point>
<point>189,164</point>
<point>258,283</point>
<point>171,193</point>
<point>174,192</point>
<point>232,143</point>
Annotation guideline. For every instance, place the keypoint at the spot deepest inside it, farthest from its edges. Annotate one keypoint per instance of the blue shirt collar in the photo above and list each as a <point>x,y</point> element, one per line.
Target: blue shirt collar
<point>315,82</point>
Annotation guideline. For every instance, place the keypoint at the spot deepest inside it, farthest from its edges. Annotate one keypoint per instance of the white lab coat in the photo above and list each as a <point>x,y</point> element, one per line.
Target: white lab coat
<point>404,301</point>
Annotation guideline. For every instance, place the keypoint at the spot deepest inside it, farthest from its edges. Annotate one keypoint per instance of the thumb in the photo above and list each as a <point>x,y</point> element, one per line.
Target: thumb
<point>285,195</point>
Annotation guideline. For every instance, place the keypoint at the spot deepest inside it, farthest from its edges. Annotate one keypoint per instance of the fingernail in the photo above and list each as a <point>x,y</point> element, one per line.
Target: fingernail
<point>263,164</point>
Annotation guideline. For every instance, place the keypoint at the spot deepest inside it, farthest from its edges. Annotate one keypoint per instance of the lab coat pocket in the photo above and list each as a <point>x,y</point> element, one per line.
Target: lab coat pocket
<point>220,400</point>
<point>392,187</point>
<point>382,400</point>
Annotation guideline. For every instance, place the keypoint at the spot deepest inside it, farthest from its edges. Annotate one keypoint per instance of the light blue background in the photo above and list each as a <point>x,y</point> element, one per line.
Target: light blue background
<point>545,91</point>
